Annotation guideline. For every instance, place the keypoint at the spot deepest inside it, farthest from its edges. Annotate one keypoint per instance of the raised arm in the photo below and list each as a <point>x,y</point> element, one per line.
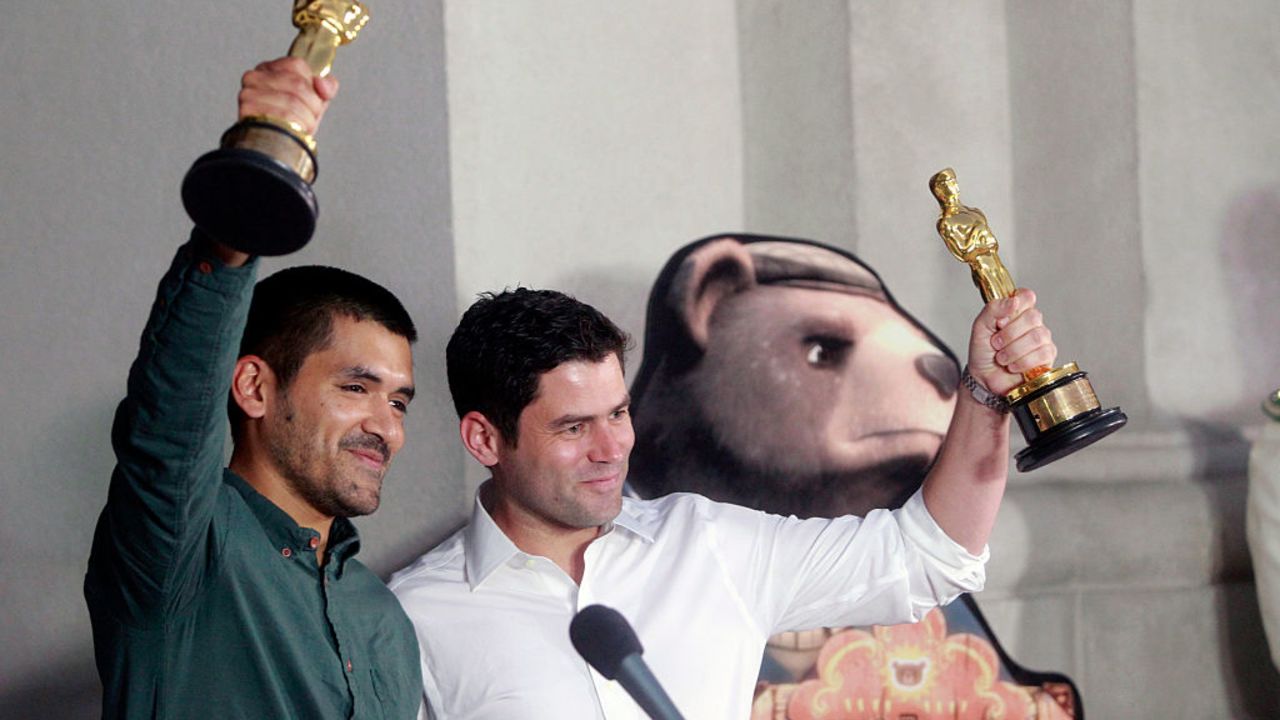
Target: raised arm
<point>964,489</point>
<point>170,431</point>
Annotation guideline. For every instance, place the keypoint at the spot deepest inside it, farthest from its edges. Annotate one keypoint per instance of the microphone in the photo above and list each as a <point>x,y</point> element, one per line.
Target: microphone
<point>606,641</point>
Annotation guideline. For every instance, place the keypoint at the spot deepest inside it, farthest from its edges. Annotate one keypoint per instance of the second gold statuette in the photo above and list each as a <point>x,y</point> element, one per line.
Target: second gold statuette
<point>1056,408</point>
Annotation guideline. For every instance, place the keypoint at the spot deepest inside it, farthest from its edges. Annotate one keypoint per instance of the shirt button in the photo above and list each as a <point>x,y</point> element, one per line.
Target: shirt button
<point>315,543</point>
<point>348,664</point>
<point>286,552</point>
<point>529,563</point>
<point>205,267</point>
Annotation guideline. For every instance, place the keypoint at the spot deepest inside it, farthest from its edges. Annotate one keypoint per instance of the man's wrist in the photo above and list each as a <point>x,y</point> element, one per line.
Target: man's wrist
<point>225,254</point>
<point>982,393</point>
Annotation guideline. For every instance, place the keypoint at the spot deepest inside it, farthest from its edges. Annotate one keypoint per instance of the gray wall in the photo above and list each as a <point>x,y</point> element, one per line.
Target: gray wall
<point>1123,151</point>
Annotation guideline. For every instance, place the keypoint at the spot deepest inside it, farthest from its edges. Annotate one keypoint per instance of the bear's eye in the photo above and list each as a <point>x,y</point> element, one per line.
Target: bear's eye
<point>824,351</point>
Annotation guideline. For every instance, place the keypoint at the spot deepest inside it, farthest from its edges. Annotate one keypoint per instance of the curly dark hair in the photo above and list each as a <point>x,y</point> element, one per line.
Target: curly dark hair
<point>506,341</point>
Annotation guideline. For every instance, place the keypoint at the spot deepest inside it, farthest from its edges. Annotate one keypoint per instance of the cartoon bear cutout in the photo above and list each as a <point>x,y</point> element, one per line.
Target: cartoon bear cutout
<point>781,374</point>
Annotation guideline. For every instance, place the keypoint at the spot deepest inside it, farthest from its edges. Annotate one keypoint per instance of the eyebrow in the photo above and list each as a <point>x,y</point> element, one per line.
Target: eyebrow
<point>360,372</point>
<point>567,420</point>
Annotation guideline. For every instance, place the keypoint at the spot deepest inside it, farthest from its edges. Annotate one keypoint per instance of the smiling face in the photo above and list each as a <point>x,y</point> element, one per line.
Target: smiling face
<point>331,434</point>
<point>568,466</point>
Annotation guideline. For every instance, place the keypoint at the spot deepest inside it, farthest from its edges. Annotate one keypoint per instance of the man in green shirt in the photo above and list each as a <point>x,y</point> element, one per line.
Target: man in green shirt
<point>234,592</point>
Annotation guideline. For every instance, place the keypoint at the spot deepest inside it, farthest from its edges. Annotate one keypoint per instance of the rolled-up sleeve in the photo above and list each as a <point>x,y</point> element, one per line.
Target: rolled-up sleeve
<point>947,568</point>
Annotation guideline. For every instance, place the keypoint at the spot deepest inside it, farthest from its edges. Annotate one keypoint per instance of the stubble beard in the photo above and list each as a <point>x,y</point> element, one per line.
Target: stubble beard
<point>580,513</point>
<point>586,515</point>
<point>319,481</point>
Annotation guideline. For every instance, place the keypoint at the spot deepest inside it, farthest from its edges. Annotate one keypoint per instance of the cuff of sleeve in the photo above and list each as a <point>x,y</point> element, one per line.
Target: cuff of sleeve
<point>962,568</point>
<point>206,270</point>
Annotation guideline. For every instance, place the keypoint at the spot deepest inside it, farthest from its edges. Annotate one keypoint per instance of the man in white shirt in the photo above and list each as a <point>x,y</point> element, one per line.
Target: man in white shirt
<point>537,381</point>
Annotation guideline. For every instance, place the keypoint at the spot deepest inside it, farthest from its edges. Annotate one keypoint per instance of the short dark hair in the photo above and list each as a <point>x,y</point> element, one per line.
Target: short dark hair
<point>506,341</point>
<point>291,317</point>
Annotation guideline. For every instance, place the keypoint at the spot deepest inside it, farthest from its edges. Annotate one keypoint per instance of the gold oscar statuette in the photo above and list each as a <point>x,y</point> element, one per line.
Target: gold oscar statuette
<point>1056,408</point>
<point>254,192</point>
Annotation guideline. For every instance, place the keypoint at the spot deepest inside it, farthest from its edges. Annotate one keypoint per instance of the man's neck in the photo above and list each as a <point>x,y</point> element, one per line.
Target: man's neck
<point>564,546</point>
<point>267,480</point>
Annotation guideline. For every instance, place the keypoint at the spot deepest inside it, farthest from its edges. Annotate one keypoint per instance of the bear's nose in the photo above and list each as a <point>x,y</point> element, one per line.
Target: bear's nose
<point>941,372</point>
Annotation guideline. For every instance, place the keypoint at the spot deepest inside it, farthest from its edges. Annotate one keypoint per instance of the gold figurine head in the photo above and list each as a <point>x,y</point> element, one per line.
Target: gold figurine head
<point>944,187</point>
<point>343,18</point>
<point>324,26</point>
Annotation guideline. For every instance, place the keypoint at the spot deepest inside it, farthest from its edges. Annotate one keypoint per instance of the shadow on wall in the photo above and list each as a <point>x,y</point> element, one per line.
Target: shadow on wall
<point>1221,472</point>
<point>406,551</point>
<point>67,692</point>
<point>48,669</point>
<point>1255,685</point>
<point>1250,256</point>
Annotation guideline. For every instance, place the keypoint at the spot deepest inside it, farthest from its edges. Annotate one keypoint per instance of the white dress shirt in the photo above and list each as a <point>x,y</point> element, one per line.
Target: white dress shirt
<point>703,583</point>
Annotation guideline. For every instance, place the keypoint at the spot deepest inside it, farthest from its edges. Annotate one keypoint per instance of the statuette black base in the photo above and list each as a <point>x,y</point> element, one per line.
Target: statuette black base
<point>1061,418</point>
<point>250,201</point>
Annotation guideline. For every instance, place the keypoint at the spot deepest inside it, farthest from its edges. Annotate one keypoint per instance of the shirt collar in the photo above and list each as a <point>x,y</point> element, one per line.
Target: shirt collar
<point>638,518</point>
<point>486,548</point>
<point>283,531</point>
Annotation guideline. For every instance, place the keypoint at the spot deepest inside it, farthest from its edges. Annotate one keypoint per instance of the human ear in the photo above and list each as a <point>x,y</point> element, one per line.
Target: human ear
<point>708,275</point>
<point>480,437</point>
<point>252,384</point>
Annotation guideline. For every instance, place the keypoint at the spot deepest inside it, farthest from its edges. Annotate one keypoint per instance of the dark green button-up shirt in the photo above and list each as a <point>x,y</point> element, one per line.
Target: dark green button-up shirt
<point>206,599</point>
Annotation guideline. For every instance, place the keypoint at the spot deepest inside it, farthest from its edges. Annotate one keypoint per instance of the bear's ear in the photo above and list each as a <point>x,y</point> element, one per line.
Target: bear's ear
<point>708,275</point>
